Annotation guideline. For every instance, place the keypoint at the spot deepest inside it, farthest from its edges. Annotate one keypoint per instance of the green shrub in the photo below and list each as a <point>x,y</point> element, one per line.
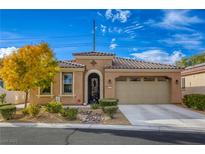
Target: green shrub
<point>54,107</point>
<point>33,110</point>
<point>95,106</point>
<point>8,111</point>
<point>25,111</point>
<point>64,111</point>
<point>5,104</point>
<point>195,101</point>
<point>110,110</point>
<point>70,113</point>
<point>108,102</point>
<point>2,98</point>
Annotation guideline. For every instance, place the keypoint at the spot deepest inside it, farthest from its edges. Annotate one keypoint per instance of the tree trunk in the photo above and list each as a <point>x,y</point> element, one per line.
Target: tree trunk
<point>26,99</point>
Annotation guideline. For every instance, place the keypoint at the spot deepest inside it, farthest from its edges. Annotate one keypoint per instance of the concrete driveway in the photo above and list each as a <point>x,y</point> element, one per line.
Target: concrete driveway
<point>162,115</point>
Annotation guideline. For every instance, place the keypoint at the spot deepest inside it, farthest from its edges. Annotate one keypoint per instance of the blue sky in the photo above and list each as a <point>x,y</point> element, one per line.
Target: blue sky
<point>151,35</point>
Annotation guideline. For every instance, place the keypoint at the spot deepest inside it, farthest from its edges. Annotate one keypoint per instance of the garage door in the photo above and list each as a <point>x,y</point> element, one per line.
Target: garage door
<point>139,90</point>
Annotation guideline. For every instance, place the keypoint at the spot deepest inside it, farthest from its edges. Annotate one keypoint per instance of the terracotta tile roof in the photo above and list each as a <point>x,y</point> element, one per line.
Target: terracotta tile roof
<point>93,53</point>
<point>69,64</point>
<point>123,63</point>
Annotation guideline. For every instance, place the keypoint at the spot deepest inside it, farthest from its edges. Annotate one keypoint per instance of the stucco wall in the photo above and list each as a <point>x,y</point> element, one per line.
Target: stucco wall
<point>194,83</point>
<point>13,96</point>
<point>75,98</point>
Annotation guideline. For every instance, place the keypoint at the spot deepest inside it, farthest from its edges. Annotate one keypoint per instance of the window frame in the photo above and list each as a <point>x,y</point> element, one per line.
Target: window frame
<point>46,94</point>
<point>62,83</point>
<point>146,79</point>
<point>183,84</point>
<point>135,79</point>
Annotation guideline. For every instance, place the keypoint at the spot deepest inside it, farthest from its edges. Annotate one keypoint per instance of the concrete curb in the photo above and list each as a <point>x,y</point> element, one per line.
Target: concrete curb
<point>104,127</point>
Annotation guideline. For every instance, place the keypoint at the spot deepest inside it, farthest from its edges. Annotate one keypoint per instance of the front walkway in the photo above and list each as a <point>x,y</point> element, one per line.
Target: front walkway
<point>163,115</point>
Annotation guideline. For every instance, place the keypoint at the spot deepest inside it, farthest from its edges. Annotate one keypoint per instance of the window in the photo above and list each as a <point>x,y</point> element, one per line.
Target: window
<point>162,79</point>
<point>135,79</point>
<point>149,78</point>
<point>183,83</point>
<point>45,91</point>
<point>121,78</point>
<point>1,84</point>
<point>67,83</point>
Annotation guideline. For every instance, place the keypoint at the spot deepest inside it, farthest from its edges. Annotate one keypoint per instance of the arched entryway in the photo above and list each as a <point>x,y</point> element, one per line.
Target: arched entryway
<point>93,86</point>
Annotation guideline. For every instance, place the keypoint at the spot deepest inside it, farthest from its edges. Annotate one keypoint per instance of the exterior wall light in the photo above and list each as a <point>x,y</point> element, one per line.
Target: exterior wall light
<point>177,82</point>
<point>109,81</point>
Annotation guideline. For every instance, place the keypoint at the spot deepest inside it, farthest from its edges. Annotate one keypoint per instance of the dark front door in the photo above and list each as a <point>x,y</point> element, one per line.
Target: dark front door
<point>93,88</point>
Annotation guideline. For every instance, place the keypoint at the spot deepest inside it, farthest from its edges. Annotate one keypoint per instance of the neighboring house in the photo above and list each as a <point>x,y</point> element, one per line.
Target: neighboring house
<point>193,79</point>
<point>94,75</point>
<point>12,96</point>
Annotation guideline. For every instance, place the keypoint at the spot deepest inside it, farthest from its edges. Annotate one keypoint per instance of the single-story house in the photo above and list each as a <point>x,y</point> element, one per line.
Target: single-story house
<point>193,79</point>
<point>94,75</point>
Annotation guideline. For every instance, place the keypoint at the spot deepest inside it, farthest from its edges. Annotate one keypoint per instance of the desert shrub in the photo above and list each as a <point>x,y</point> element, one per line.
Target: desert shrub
<point>2,98</point>
<point>108,102</point>
<point>110,110</point>
<point>195,101</point>
<point>33,110</point>
<point>8,111</point>
<point>95,106</point>
<point>70,113</point>
<point>5,104</point>
<point>25,111</point>
<point>63,111</point>
<point>54,107</point>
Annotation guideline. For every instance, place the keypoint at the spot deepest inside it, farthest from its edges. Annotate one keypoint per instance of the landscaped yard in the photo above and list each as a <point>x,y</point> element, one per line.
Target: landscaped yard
<point>103,113</point>
<point>85,115</point>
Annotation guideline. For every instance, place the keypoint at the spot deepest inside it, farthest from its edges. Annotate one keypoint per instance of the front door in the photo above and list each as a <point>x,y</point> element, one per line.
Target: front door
<point>93,88</point>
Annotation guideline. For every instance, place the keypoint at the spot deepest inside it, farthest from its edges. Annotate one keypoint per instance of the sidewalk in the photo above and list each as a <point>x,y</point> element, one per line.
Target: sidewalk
<point>101,126</point>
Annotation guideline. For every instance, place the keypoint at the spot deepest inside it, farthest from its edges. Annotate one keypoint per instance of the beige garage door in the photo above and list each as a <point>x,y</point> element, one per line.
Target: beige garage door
<point>143,90</point>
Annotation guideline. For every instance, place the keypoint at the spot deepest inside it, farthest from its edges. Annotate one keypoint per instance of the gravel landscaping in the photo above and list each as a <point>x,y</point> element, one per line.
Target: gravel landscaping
<point>85,115</point>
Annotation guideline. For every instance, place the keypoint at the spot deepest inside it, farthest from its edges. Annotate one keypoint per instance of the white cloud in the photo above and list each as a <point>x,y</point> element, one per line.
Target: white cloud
<point>118,15</point>
<point>6,51</point>
<point>103,28</point>
<point>115,30</point>
<point>159,56</point>
<point>113,40</point>
<point>113,45</point>
<point>132,28</point>
<point>178,19</point>
<point>134,49</point>
<point>188,41</point>
<point>100,14</point>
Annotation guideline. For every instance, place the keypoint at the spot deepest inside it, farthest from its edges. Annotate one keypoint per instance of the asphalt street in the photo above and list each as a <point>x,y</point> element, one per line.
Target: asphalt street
<point>56,136</point>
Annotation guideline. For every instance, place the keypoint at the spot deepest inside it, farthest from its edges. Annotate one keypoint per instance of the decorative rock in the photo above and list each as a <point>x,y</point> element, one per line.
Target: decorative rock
<point>90,117</point>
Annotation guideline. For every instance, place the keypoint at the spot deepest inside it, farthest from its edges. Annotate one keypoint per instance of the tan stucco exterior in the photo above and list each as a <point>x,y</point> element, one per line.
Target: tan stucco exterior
<point>107,81</point>
<point>194,81</point>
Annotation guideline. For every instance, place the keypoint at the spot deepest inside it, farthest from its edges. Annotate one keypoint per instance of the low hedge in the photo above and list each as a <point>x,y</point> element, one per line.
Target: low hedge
<point>70,113</point>
<point>110,110</point>
<point>195,101</point>
<point>8,111</point>
<point>54,107</point>
<point>108,102</point>
<point>5,104</point>
<point>95,106</point>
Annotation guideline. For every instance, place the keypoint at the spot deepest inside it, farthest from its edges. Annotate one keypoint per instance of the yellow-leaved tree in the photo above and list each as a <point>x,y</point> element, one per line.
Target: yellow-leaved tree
<point>29,67</point>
